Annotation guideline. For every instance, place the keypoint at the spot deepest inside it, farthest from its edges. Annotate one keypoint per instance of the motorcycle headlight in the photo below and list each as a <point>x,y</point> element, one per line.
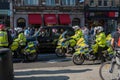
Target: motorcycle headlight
<point>118,52</point>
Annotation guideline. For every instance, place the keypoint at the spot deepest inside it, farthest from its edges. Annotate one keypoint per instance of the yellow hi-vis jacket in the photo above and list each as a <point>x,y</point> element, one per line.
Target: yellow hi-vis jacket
<point>78,35</point>
<point>101,39</point>
<point>3,39</point>
<point>21,39</point>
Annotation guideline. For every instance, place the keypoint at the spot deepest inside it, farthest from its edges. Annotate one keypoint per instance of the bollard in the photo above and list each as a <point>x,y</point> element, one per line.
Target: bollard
<point>6,65</point>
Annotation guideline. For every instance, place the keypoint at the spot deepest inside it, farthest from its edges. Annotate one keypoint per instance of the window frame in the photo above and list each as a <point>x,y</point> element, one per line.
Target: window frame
<point>50,2</point>
<point>68,2</point>
<point>91,2</point>
<point>31,2</point>
<point>105,2</point>
<point>99,2</point>
<point>112,2</point>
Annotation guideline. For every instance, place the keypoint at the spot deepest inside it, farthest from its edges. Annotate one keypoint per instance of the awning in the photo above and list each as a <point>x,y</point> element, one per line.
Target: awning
<point>50,19</point>
<point>35,19</point>
<point>64,19</point>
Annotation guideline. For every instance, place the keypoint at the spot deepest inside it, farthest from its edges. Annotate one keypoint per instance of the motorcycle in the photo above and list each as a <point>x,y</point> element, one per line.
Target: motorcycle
<point>63,46</point>
<point>28,52</point>
<point>89,53</point>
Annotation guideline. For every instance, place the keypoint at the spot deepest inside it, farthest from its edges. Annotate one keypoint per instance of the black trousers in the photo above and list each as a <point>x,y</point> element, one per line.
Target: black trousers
<point>99,53</point>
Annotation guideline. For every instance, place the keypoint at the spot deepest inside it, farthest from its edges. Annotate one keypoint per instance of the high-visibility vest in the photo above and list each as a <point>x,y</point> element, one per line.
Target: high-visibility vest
<point>101,39</point>
<point>3,39</point>
<point>31,48</point>
<point>21,39</point>
<point>78,35</point>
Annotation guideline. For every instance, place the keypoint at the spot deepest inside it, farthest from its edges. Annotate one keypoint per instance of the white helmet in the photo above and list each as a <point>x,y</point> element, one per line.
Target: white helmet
<point>99,29</point>
<point>19,30</point>
<point>76,27</point>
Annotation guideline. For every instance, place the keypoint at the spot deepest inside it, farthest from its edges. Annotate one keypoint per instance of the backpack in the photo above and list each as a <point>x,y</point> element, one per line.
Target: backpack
<point>118,43</point>
<point>117,39</point>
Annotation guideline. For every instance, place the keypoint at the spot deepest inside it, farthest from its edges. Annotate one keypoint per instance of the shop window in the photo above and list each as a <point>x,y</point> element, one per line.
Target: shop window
<point>21,22</point>
<point>76,21</point>
<point>50,2</point>
<point>31,2</point>
<point>68,2</point>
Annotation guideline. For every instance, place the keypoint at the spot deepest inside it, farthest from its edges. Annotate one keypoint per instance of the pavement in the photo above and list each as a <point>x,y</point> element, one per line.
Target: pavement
<point>81,72</point>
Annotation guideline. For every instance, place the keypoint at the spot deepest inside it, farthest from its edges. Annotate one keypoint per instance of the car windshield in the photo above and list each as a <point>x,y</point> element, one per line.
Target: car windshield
<point>38,32</point>
<point>64,33</point>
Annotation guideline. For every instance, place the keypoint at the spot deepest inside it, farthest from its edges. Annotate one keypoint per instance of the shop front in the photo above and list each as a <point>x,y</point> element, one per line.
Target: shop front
<point>47,19</point>
<point>106,18</point>
<point>34,20</point>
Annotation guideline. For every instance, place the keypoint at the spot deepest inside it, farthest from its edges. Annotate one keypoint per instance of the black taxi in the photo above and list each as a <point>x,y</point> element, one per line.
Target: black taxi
<point>48,37</point>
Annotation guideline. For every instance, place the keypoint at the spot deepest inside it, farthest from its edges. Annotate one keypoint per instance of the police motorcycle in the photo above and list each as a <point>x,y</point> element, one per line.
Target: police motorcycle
<point>63,46</point>
<point>27,52</point>
<point>89,52</point>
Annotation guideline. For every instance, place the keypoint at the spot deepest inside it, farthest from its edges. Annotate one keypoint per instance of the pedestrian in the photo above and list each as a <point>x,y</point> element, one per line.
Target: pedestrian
<point>27,32</point>
<point>115,42</point>
<point>5,37</point>
<point>85,32</point>
<point>32,31</point>
<point>21,37</point>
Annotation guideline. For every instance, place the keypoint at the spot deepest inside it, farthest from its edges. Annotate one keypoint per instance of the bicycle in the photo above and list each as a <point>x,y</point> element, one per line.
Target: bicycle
<point>111,70</point>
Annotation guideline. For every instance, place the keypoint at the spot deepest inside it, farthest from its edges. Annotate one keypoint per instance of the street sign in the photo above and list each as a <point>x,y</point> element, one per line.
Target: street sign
<point>9,12</point>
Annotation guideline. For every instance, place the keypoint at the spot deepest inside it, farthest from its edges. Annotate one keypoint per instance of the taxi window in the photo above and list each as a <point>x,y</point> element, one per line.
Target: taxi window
<point>70,32</point>
<point>56,32</point>
<point>45,32</point>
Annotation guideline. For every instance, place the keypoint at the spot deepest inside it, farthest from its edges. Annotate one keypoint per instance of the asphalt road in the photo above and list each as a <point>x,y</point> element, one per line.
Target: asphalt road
<point>50,67</point>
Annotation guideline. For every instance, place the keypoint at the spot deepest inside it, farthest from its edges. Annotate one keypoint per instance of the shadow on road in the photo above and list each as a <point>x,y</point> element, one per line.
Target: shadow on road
<point>37,72</point>
<point>44,78</point>
<point>44,58</point>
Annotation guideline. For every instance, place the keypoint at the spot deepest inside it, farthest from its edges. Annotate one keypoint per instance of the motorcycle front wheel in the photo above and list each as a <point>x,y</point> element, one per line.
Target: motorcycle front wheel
<point>78,59</point>
<point>105,74</point>
<point>60,52</point>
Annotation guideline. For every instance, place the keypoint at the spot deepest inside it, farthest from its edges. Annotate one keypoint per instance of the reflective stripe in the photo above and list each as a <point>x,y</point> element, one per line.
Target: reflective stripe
<point>3,42</point>
<point>3,38</point>
<point>1,34</point>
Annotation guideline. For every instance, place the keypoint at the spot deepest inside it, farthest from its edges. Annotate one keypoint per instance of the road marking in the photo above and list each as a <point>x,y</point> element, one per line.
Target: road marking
<point>59,60</point>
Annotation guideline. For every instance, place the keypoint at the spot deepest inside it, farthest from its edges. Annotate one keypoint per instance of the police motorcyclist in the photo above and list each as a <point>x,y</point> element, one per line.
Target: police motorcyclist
<point>78,34</point>
<point>100,40</point>
<point>21,37</point>
<point>5,38</point>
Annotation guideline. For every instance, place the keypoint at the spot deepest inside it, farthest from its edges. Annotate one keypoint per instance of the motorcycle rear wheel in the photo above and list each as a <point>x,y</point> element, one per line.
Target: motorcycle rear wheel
<point>60,52</point>
<point>78,59</point>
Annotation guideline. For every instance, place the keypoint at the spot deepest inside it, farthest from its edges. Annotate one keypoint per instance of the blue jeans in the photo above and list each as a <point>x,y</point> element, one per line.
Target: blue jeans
<point>86,37</point>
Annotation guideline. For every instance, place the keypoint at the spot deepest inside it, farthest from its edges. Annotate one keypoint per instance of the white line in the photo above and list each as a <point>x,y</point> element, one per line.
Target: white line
<point>35,75</point>
<point>23,70</point>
